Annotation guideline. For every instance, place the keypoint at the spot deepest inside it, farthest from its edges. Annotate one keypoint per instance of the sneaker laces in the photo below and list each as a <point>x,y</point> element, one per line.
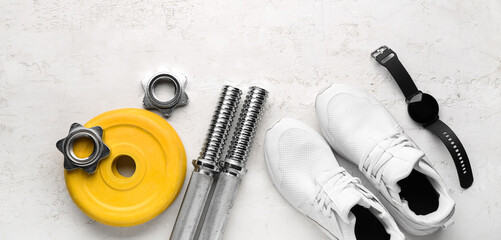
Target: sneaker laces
<point>375,160</point>
<point>338,181</point>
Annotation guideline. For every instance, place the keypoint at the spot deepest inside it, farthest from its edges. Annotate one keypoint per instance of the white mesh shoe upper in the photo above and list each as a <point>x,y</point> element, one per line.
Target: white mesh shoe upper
<point>305,171</point>
<point>359,128</point>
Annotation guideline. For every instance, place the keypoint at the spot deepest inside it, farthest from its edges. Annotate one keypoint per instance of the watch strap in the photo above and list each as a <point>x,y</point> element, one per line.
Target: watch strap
<point>457,151</point>
<point>386,57</point>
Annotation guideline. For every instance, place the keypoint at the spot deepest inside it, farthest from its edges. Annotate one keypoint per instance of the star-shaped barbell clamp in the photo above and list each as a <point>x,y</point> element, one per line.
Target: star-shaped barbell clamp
<point>151,101</point>
<point>88,164</point>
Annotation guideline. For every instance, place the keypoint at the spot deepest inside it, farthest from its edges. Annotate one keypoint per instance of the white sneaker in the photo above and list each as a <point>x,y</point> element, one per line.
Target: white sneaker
<point>360,129</point>
<point>304,170</point>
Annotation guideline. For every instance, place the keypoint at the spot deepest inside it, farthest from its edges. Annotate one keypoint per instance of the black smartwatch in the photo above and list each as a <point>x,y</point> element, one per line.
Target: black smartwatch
<point>423,108</point>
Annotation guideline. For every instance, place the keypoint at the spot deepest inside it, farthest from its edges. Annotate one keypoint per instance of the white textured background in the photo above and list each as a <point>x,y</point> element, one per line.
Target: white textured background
<point>68,61</point>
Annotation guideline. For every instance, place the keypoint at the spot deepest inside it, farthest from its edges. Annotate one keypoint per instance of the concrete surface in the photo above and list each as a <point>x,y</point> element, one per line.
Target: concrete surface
<point>68,61</point>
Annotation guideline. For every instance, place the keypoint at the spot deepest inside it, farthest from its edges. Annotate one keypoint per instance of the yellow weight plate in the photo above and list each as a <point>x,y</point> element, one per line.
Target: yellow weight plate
<point>160,160</point>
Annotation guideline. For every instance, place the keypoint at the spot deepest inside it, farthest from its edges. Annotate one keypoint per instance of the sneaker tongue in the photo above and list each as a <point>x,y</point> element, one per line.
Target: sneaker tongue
<point>343,199</point>
<point>400,166</point>
<point>347,199</point>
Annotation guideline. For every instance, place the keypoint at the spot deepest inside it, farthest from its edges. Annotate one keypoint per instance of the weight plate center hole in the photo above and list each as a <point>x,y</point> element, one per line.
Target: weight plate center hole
<point>83,147</point>
<point>164,90</point>
<point>125,166</point>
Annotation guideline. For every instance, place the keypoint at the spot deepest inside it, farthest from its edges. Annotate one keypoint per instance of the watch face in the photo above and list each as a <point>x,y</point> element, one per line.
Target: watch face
<point>423,108</point>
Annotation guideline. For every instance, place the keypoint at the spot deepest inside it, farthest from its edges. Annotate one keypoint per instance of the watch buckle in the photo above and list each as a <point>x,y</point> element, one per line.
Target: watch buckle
<point>383,54</point>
